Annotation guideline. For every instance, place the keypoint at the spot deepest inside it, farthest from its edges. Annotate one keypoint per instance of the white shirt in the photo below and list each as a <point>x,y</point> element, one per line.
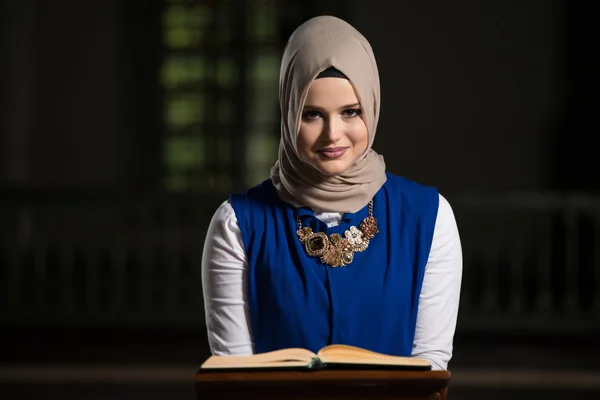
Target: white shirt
<point>225,275</point>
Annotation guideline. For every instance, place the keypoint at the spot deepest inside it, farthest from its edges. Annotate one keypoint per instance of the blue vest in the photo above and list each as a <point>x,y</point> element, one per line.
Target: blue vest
<point>296,301</point>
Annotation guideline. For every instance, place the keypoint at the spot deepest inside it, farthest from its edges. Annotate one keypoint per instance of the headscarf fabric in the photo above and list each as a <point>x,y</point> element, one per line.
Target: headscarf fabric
<point>316,45</point>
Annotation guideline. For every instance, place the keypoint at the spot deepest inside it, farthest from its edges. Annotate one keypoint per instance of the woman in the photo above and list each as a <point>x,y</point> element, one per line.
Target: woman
<point>332,248</point>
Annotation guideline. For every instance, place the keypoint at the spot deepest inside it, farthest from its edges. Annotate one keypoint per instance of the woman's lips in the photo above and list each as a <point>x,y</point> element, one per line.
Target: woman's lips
<point>333,152</point>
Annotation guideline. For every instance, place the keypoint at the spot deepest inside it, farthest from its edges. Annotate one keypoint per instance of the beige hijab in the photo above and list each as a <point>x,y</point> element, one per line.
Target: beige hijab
<point>316,45</point>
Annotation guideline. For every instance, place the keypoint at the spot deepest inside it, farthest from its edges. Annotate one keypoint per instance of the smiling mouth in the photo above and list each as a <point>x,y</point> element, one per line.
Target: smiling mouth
<point>332,153</point>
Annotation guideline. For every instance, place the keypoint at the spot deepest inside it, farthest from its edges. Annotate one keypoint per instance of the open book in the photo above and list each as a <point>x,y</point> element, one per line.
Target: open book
<point>335,356</point>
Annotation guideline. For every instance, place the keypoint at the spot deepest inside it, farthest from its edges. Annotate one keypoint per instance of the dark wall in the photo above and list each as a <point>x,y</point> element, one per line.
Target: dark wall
<point>63,60</point>
<point>470,89</point>
<point>81,103</point>
<point>574,159</point>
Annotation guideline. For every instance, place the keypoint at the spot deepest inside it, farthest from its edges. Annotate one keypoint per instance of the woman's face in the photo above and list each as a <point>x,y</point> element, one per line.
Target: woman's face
<point>333,134</point>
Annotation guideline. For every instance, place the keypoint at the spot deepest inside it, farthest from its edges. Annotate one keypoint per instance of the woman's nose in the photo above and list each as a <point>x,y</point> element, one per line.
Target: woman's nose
<point>333,129</point>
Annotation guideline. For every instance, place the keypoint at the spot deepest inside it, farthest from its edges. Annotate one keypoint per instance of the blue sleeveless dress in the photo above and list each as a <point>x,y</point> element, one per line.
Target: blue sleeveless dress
<point>296,301</point>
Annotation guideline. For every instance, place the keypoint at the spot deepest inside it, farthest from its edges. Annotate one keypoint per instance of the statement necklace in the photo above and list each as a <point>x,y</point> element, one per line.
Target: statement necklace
<point>335,250</point>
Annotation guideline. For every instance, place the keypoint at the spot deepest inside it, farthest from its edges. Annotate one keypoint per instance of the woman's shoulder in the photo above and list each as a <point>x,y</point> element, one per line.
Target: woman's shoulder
<point>407,182</point>
<point>260,196</point>
<point>262,191</point>
<point>416,194</point>
<point>415,198</point>
<point>409,188</point>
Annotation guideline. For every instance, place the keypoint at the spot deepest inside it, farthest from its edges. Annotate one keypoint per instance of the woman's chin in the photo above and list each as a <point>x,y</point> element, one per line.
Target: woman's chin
<point>332,169</point>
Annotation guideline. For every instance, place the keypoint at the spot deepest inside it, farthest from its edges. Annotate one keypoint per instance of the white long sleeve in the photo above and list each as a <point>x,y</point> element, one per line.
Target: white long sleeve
<point>224,275</point>
<point>440,294</point>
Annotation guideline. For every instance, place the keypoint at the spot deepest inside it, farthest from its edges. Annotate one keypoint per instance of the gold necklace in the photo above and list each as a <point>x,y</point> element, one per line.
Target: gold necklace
<point>337,251</point>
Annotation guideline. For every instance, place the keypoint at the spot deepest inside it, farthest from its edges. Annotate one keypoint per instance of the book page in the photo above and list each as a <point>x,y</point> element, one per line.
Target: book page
<point>338,353</point>
<point>285,357</point>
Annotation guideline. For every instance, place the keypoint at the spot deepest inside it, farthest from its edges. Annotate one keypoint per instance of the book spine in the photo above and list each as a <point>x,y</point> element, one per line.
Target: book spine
<point>316,364</point>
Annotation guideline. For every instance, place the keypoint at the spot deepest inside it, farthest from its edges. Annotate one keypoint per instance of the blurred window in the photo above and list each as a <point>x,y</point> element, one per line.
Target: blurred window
<point>219,79</point>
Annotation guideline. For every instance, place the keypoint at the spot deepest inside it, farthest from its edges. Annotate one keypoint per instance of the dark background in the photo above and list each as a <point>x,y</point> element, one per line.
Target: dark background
<point>124,124</point>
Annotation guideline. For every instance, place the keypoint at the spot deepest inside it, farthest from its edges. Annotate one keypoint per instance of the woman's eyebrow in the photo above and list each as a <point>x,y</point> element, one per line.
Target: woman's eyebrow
<point>354,105</point>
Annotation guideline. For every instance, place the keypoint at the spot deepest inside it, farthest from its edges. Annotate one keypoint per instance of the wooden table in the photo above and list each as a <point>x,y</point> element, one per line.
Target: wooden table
<point>323,384</point>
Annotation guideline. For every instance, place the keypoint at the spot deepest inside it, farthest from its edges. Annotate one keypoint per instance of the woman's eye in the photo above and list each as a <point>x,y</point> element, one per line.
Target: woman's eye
<point>311,115</point>
<point>355,112</point>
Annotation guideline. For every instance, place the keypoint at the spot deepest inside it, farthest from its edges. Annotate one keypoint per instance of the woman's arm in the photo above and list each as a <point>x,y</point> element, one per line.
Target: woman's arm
<point>440,294</point>
<point>224,275</point>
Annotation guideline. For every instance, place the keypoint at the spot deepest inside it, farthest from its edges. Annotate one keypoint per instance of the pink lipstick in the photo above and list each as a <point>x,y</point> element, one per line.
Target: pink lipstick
<point>333,152</point>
